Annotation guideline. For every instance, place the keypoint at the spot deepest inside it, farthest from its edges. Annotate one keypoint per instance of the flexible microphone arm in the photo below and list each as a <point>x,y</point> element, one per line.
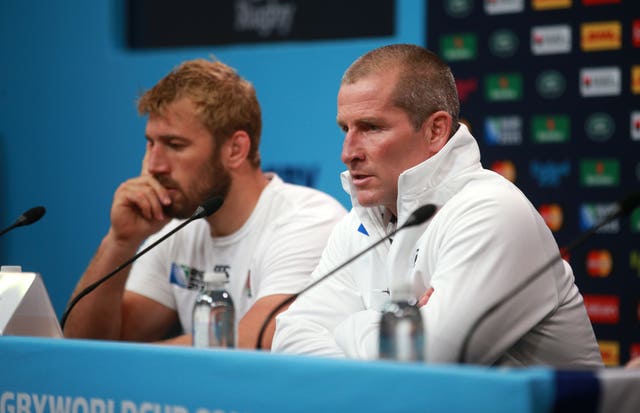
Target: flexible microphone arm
<point>420,215</point>
<point>204,210</point>
<point>624,207</point>
<point>27,218</point>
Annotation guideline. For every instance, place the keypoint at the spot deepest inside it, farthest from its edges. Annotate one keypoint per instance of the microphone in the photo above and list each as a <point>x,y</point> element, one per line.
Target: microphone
<point>420,215</point>
<point>623,208</point>
<point>27,218</point>
<point>205,209</point>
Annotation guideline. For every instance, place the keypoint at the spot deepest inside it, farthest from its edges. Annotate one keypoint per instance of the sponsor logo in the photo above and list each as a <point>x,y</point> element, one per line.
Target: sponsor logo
<point>503,43</point>
<point>635,220</point>
<point>458,8</point>
<point>599,126</point>
<point>503,87</point>
<point>550,128</point>
<point>635,33</point>
<point>466,87</point>
<point>503,130</point>
<point>505,168</point>
<point>610,352</point>
<point>635,125</point>
<point>460,46</point>
<point>635,79</point>
<point>602,309</point>
<point>599,263</point>
<point>600,81</point>
<point>503,6</point>
<point>550,84</point>
<point>551,39</point>
<point>599,2</point>
<point>186,277</point>
<point>634,261</point>
<point>549,174</point>
<point>552,215</point>
<point>264,19</point>
<point>550,4</point>
<point>600,36</point>
<point>599,172</point>
<point>591,214</point>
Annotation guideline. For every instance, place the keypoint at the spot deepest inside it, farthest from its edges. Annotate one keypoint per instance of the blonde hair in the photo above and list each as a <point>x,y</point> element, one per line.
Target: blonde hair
<point>224,101</point>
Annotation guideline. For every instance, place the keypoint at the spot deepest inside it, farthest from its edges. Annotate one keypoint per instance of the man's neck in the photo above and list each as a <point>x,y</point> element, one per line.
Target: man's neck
<point>239,203</point>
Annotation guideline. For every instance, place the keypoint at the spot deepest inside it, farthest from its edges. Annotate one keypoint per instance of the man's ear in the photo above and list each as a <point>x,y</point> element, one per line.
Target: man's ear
<point>437,130</point>
<point>236,149</point>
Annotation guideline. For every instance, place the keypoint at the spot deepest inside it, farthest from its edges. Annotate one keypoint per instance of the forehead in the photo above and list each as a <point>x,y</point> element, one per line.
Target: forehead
<point>372,93</point>
<point>178,118</point>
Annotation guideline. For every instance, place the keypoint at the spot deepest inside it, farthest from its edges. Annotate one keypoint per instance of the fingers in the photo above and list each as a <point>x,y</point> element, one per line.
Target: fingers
<point>144,194</point>
<point>425,297</point>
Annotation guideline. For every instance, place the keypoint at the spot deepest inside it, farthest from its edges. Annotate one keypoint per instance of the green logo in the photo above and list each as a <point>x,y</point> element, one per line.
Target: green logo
<point>635,220</point>
<point>550,129</point>
<point>503,43</point>
<point>551,84</point>
<point>599,127</point>
<point>460,46</point>
<point>458,8</point>
<point>501,87</point>
<point>599,172</point>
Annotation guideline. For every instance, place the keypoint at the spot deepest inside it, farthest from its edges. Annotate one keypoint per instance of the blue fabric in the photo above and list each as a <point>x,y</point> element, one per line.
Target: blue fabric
<point>145,378</point>
<point>576,391</point>
<point>363,230</point>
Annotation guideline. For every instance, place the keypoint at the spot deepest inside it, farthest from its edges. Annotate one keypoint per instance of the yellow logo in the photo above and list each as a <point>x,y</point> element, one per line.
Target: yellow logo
<point>610,351</point>
<point>635,80</point>
<point>600,36</point>
<point>551,4</point>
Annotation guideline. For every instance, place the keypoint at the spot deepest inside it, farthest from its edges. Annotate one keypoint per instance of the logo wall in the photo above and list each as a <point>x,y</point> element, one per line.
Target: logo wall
<point>551,91</point>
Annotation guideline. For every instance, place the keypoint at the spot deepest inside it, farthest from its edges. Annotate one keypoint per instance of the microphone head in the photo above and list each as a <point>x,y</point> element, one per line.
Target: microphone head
<point>208,207</point>
<point>30,216</point>
<point>629,203</point>
<point>420,215</point>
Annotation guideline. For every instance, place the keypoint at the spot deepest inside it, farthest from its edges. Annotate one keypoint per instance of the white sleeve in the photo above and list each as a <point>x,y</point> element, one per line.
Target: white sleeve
<point>311,323</point>
<point>294,248</point>
<point>149,274</point>
<point>485,248</point>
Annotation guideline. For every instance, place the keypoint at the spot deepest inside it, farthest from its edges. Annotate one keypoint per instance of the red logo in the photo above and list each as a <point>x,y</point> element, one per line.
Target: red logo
<point>466,87</point>
<point>599,263</point>
<point>635,33</point>
<point>598,2</point>
<point>552,215</point>
<point>505,168</point>
<point>603,309</point>
<point>635,350</point>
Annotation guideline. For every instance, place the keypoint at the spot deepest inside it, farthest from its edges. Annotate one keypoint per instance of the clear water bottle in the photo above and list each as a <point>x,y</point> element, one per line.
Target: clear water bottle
<point>401,330</point>
<point>213,314</point>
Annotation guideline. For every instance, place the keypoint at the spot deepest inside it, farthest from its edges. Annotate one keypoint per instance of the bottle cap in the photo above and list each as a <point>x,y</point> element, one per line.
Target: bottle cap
<point>401,290</point>
<point>215,278</point>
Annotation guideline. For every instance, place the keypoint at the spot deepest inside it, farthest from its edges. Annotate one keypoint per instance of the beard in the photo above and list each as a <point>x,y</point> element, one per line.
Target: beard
<point>213,180</point>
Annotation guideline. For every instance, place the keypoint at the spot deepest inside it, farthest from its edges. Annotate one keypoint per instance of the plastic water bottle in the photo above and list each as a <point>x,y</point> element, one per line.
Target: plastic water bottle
<point>401,331</point>
<point>213,314</point>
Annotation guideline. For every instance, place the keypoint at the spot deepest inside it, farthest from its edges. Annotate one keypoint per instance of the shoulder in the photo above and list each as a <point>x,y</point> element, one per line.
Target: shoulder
<point>298,199</point>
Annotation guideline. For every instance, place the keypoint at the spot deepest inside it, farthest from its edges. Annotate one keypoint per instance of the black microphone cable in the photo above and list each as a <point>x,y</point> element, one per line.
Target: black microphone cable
<point>207,208</point>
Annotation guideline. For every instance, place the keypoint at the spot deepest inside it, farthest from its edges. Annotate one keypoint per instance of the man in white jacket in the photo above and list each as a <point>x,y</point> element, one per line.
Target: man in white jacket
<point>403,147</point>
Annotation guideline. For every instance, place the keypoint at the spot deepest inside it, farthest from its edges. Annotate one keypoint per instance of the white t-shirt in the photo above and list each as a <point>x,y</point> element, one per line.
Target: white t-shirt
<point>274,252</point>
